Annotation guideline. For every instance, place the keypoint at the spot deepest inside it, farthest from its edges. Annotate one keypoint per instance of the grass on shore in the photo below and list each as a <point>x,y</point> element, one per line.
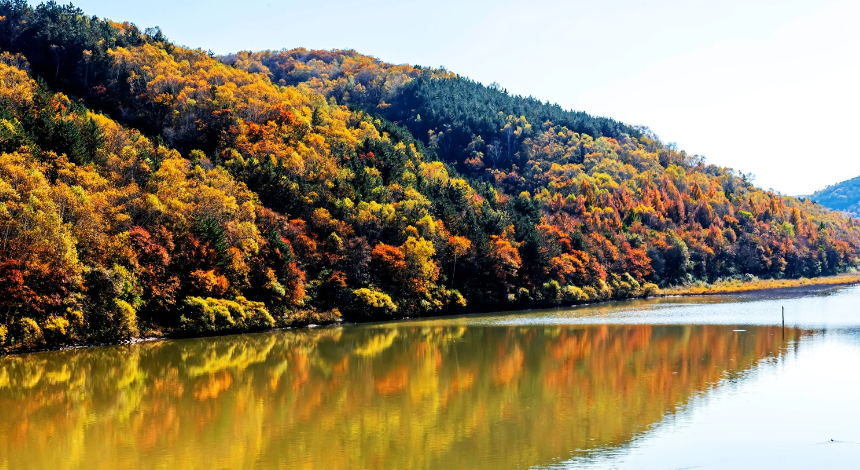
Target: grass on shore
<point>739,286</point>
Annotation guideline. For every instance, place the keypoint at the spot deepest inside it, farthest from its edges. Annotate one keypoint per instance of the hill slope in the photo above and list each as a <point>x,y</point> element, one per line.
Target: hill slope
<point>844,196</point>
<point>149,188</point>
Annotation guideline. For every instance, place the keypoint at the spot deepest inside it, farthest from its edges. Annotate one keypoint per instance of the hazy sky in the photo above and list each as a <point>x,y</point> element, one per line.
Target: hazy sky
<point>767,87</point>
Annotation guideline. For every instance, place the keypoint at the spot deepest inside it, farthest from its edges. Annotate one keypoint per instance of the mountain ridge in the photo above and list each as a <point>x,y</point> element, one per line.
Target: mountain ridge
<point>843,196</point>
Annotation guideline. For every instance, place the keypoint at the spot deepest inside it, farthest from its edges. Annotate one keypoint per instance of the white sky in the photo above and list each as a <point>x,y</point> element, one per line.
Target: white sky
<point>767,87</point>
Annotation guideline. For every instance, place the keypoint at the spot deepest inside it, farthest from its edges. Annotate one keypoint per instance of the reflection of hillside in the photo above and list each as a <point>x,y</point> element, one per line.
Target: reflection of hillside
<point>410,397</point>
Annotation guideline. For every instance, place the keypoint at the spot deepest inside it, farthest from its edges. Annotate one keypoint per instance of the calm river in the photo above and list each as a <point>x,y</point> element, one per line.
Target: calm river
<point>710,382</point>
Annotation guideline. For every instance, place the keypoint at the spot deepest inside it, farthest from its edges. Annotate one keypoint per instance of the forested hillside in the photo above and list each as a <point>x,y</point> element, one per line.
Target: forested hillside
<point>844,196</point>
<point>147,188</point>
<point>464,121</point>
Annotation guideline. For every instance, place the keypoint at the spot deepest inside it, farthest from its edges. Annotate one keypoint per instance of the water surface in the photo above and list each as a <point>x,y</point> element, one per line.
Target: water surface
<point>711,382</point>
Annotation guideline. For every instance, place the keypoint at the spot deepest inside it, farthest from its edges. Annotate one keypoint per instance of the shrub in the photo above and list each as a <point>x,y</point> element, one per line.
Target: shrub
<point>551,292</point>
<point>3,332</point>
<point>371,303</point>
<point>591,293</point>
<point>30,333</point>
<point>605,291</point>
<point>456,299</point>
<point>573,294</point>
<point>310,316</point>
<point>623,290</point>
<point>56,329</point>
<point>650,290</point>
<point>210,315</point>
<point>250,315</point>
<point>524,295</point>
<point>634,284</point>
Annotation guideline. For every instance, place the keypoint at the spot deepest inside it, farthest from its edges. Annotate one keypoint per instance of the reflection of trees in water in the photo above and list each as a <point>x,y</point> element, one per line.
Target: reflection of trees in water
<point>404,397</point>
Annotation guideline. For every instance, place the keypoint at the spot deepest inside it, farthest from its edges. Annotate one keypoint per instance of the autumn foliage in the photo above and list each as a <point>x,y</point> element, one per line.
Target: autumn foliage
<point>147,188</point>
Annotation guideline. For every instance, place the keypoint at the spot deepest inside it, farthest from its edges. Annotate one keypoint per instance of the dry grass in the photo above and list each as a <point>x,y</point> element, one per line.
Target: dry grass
<point>737,286</point>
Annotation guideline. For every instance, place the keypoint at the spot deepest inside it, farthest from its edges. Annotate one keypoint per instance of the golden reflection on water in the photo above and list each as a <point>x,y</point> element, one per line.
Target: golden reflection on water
<point>406,396</point>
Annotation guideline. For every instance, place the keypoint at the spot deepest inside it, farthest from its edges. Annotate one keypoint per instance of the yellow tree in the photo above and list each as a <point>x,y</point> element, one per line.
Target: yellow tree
<point>459,246</point>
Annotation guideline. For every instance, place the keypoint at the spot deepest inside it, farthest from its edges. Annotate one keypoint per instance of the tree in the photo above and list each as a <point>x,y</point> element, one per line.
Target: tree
<point>459,246</point>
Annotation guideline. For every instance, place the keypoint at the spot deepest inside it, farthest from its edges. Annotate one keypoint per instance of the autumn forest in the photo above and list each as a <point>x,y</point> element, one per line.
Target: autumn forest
<point>148,189</point>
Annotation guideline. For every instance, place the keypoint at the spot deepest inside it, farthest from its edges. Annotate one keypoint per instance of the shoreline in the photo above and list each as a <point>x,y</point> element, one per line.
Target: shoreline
<point>760,285</point>
<point>719,288</point>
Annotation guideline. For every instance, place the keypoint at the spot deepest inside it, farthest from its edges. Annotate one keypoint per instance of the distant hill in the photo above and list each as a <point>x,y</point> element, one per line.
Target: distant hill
<point>844,196</point>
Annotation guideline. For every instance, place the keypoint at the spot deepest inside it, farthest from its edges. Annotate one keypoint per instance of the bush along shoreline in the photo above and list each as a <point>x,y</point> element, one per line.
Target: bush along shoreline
<point>200,317</point>
<point>216,317</point>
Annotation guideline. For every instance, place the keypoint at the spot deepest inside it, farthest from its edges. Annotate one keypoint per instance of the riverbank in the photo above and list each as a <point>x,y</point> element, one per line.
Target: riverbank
<point>698,289</point>
<point>739,286</point>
